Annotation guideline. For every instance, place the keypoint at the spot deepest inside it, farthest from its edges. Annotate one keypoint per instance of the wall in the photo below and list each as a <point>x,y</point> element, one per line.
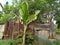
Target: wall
<point>1,31</point>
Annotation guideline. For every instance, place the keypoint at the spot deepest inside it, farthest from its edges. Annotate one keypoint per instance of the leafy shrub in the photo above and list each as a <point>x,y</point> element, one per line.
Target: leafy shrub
<point>19,39</point>
<point>29,38</point>
<point>12,42</point>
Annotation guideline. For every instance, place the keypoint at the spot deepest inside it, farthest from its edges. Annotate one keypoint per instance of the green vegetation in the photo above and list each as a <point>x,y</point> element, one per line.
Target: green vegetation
<point>28,11</point>
<point>7,42</point>
<point>35,42</point>
<point>26,18</point>
<point>58,32</point>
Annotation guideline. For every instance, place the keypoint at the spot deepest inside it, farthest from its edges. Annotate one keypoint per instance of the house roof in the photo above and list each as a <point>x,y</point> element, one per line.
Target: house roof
<point>40,27</point>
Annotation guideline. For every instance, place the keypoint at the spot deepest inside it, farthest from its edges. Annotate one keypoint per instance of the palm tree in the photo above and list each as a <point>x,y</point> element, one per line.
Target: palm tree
<point>26,18</point>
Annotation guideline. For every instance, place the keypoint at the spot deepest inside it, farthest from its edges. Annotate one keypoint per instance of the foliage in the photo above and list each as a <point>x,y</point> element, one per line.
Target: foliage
<point>8,13</point>
<point>0,14</point>
<point>30,37</point>
<point>42,5</point>
<point>35,42</point>
<point>24,13</point>
<point>7,42</point>
<point>19,39</point>
<point>47,42</point>
<point>58,32</point>
<point>26,18</point>
<point>12,12</point>
<point>4,18</point>
<point>57,17</point>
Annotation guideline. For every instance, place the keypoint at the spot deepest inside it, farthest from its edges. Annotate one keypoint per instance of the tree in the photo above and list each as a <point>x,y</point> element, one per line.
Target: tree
<point>42,5</point>
<point>57,16</point>
<point>26,18</point>
<point>45,6</point>
<point>6,12</point>
<point>9,14</point>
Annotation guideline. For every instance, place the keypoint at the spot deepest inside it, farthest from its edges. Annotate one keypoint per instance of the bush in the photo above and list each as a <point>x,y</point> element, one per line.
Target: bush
<point>19,39</point>
<point>29,38</point>
<point>12,42</point>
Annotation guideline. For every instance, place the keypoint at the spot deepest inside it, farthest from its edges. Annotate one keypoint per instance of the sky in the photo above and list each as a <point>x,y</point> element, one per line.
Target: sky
<point>4,1</point>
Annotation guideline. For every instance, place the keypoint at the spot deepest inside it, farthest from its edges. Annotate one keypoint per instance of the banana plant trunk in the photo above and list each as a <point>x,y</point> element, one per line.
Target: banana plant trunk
<point>24,34</point>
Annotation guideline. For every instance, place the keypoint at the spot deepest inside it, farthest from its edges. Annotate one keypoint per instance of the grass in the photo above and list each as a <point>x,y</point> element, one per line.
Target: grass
<point>43,43</point>
<point>3,42</point>
<point>56,42</point>
<point>8,42</point>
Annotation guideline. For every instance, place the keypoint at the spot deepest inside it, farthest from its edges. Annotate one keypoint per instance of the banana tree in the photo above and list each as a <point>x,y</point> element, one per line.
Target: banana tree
<point>26,18</point>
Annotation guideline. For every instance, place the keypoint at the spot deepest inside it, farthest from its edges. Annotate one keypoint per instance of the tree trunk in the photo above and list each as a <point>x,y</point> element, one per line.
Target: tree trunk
<point>24,33</point>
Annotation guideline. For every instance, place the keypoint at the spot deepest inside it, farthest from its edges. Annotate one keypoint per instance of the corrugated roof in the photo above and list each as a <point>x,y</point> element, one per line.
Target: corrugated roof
<point>40,27</point>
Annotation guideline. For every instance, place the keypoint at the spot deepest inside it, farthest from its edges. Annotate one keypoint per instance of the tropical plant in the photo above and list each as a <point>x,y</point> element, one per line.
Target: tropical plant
<point>5,13</point>
<point>9,14</point>
<point>26,18</point>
